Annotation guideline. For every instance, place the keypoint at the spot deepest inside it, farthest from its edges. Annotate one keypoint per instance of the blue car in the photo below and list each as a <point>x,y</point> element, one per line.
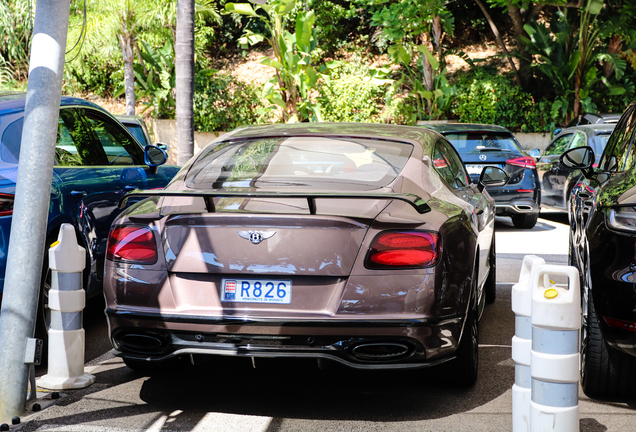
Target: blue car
<point>97,161</point>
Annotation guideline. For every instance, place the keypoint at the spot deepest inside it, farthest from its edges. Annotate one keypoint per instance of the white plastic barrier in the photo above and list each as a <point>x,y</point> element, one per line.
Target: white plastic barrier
<point>522,344</point>
<point>66,300</point>
<point>554,364</point>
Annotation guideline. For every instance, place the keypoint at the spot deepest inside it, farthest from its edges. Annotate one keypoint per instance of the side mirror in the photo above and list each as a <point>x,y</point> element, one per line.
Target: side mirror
<point>492,176</point>
<point>153,157</point>
<point>578,158</point>
<point>535,153</point>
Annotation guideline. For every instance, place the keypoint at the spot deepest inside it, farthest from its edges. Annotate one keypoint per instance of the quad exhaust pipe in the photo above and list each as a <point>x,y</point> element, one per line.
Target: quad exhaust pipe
<point>523,207</point>
<point>380,351</point>
<point>141,342</point>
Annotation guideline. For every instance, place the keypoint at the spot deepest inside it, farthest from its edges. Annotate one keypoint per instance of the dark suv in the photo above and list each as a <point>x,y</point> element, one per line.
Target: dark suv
<point>602,210</point>
<point>97,161</point>
<point>488,145</point>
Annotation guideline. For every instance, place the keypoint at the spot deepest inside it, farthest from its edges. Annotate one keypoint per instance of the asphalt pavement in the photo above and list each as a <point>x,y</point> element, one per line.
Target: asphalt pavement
<point>229,394</point>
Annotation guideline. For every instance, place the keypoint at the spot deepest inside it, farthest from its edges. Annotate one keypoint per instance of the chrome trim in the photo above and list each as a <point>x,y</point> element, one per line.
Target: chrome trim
<point>271,353</point>
<point>326,322</point>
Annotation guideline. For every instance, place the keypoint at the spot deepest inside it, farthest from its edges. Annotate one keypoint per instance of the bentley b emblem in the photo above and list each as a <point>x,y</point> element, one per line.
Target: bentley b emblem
<point>256,236</point>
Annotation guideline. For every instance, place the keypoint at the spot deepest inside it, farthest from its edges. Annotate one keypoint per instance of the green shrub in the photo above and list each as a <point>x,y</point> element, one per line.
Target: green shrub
<point>484,96</point>
<point>401,110</point>
<point>223,104</point>
<point>352,94</point>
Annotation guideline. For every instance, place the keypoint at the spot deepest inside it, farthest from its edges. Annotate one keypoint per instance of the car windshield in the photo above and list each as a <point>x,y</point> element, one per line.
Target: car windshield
<point>479,142</point>
<point>600,140</point>
<point>352,163</point>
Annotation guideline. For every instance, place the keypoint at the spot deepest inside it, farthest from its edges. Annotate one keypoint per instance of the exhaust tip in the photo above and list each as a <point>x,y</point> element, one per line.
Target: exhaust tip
<point>380,351</point>
<point>524,207</point>
<point>141,342</point>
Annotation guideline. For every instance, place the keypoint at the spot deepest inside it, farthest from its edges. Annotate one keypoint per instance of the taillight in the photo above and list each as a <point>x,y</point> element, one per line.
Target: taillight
<point>525,162</point>
<point>625,325</point>
<point>403,249</point>
<point>6,204</point>
<point>133,244</point>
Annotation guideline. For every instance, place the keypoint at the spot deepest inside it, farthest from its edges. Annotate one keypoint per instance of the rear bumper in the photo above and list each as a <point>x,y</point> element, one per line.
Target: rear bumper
<point>362,344</point>
<point>519,206</point>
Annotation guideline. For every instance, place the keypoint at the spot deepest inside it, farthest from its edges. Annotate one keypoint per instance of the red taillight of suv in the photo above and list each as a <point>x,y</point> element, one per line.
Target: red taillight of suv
<point>403,249</point>
<point>6,204</point>
<point>624,325</point>
<point>525,162</point>
<point>132,244</point>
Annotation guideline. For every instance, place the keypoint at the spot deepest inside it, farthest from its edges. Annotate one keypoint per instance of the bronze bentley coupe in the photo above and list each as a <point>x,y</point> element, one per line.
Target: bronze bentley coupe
<point>362,244</point>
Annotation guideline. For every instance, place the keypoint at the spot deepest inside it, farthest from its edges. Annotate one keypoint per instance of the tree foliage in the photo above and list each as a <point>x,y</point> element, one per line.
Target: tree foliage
<point>296,74</point>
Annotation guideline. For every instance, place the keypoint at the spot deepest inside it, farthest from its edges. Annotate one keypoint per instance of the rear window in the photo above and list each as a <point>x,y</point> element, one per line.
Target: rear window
<point>138,133</point>
<point>351,163</point>
<point>479,142</point>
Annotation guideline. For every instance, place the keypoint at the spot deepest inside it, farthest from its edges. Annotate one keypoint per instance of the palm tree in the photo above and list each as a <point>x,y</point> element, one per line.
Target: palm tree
<point>113,24</point>
<point>184,69</point>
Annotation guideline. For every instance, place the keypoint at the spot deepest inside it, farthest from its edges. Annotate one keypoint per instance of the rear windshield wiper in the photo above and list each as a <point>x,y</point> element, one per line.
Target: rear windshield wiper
<point>483,149</point>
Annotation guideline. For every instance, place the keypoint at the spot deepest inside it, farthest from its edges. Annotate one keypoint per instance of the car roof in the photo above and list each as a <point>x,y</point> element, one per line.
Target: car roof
<point>595,128</point>
<point>129,118</point>
<point>445,128</point>
<point>361,130</point>
<point>15,101</point>
<point>603,117</point>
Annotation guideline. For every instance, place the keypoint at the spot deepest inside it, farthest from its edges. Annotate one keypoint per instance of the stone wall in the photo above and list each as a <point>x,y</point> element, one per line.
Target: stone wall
<point>165,131</point>
<point>530,141</point>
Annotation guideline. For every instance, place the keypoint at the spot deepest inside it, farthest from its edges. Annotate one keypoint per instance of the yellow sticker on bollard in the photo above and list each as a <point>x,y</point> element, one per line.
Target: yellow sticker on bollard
<point>55,243</point>
<point>551,293</point>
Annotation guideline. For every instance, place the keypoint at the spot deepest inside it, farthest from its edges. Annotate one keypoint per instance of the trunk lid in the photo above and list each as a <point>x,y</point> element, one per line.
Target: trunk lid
<point>270,242</point>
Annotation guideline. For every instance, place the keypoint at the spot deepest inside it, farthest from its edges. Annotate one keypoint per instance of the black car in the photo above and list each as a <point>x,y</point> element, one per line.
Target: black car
<point>594,118</point>
<point>602,211</point>
<point>590,118</point>
<point>558,180</point>
<point>488,145</point>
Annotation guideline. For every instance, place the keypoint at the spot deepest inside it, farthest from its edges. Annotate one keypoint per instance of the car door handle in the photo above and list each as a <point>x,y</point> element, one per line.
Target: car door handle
<point>129,188</point>
<point>78,194</point>
<point>479,211</point>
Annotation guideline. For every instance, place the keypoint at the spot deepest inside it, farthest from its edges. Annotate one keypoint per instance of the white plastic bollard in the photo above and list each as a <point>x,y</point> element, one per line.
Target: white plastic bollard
<point>554,366</point>
<point>522,343</point>
<point>66,300</point>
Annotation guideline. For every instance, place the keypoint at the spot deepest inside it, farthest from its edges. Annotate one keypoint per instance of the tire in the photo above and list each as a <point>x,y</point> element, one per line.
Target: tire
<point>605,372</point>
<point>525,221</point>
<point>43,317</point>
<point>466,364</point>
<point>490,287</point>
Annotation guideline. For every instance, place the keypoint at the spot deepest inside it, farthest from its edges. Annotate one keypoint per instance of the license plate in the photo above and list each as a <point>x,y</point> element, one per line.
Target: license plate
<point>477,169</point>
<point>256,291</point>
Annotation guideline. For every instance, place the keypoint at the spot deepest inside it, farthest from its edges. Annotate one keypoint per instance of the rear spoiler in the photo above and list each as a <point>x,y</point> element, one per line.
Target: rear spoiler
<point>413,200</point>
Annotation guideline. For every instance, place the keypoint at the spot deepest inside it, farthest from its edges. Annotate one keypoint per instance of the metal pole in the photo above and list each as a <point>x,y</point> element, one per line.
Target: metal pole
<point>31,206</point>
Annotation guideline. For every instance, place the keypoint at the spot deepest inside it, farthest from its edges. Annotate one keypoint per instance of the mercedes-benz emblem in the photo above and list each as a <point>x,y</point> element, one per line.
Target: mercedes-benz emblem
<point>256,236</point>
<point>482,157</point>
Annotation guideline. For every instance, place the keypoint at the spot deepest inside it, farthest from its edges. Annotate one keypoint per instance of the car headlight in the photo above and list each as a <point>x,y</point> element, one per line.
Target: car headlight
<point>622,218</point>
